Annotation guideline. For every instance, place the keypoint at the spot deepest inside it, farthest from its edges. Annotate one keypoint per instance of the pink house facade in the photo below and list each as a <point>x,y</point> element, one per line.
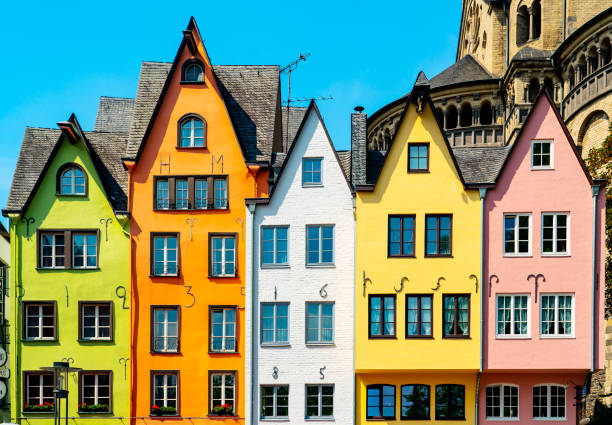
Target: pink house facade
<point>544,259</point>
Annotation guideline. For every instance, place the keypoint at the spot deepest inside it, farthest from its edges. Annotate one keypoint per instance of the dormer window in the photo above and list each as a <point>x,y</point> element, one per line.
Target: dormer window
<point>71,180</point>
<point>542,155</point>
<point>193,72</point>
<point>192,132</point>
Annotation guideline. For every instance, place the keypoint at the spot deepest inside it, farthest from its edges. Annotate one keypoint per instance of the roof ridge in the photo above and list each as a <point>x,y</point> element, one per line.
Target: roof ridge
<point>29,127</point>
<point>117,97</point>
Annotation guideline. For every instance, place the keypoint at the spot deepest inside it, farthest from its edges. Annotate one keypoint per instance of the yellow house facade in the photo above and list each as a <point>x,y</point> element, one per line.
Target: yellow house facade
<point>418,274</point>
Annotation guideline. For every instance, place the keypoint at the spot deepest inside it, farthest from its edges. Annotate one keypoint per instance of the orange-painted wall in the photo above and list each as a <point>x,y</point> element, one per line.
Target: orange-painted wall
<point>194,360</point>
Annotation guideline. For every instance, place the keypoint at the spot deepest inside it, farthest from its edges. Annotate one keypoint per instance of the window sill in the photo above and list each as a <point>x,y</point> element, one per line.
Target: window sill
<point>401,256</point>
<point>519,337</point>
<point>382,337</point>
<point>192,83</point>
<point>542,169</point>
<point>223,352</point>
<point>275,266</point>
<point>214,417</point>
<point>66,268</point>
<point>529,255</point>
<point>450,419</point>
<point>438,256</point>
<point>556,255</point>
<point>312,185</point>
<point>418,171</point>
<point>234,276</point>
<point>164,352</point>
<point>279,419</point>
<point>381,419</point>
<point>275,345</point>
<point>502,419</point>
<point>191,148</point>
<point>414,419</point>
<point>84,412</point>
<point>51,412</point>
<point>557,337</point>
<point>39,340</point>
<point>160,210</point>
<point>321,419</point>
<point>419,337</point>
<point>164,275</point>
<point>95,340</point>
<point>551,419</point>
<point>72,195</point>
<point>321,266</point>
<point>456,337</point>
<point>320,344</point>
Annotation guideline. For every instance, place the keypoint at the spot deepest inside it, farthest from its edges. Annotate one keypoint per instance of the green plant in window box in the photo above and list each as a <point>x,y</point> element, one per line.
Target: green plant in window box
<point>87,408</point>
<point>162,410</point>
<point>39,408</point>
<point>223,410</point>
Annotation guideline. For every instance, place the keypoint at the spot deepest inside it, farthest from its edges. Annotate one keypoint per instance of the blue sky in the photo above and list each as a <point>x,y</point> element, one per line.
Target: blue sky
<point>60,57</point>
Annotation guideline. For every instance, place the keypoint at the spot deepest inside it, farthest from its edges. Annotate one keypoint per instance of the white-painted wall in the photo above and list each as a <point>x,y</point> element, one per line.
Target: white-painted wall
<point>296,206</point>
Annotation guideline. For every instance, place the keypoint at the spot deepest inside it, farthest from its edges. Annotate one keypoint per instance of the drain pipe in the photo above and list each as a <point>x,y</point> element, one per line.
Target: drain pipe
<point>482,192</point>
<point>595,195</point>
<point>354,296</point>
<point>252,300</point>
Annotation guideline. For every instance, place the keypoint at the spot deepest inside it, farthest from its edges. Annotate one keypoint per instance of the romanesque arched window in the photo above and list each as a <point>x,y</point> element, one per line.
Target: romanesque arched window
<point>536,19</point>
<point>465,120</point>
<point>451,117</point>
<point>486,113</point>
<point>593,60</point>
<point>533,89</point>
<point>440,116</point>
<point>522,25</point>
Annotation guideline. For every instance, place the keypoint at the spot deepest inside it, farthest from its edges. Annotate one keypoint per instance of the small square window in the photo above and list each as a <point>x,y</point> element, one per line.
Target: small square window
<point>438,235</point>
<point>96,321</point>
<point>311,172</point>
<point>84,250</point>
<point>512,316</point>
<point>556,315</point>
<point>381,316</point>
<point>401,236</point>
<point>542,154</point>
<point>418,157</point>
<point>39,321</point>
<point>274,401</point>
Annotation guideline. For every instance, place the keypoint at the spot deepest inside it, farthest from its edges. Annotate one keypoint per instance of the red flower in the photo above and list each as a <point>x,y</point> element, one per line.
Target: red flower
<point>155,406</point>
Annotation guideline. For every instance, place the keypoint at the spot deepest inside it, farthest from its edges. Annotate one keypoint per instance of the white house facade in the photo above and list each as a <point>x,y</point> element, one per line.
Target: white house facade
<point>300,251</point>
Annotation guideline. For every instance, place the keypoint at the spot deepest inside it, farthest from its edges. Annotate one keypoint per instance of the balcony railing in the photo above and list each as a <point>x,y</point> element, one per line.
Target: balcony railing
<point>596,84</point>
<point>483,135</point>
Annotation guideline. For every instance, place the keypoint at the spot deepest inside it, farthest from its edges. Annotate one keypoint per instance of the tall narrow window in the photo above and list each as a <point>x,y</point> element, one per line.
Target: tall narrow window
<point>223,256</point>
<point>96,391</point>
<point>554,233</point>
<point>96,321</point>
<point>382,316</point>
<point>84,250</point>
<point>274,401</point>
<point>182,194</point>
<point>401,236</point>
<point>319,401</point>
<point>192,133</point>
<point>320,244</point>
<point>201,194</point>
<point>415,402</point>
<point>162,195</point>
<point>165,392</point>
<point>223,335</point>
<point>274,323</point>
<point>40,321</point>
<point>52,253</point>
<point>541,154</point>
<point>438,235</point>
<point>418,316</point>
<point>73,182</point>
<point>274,245</point>
<point>38,391</point>
<point>456,316</point>
<point>220,194</point>
<point>517,234</point>
<point>165,255</point>
<point>222,392</point>
<point>319,323</point>
<point>311,172</point>
<point>418,157</point>
<point>450,402</point>
<point>502,401</point>
<point>165,330</point>
<point>380,402</point>
<point>512,315</point>
<point>556,315</point>
<point>549,402</point>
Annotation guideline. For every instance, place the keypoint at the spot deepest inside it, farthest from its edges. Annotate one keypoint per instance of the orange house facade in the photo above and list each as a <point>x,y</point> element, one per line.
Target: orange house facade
<point>197,148</point>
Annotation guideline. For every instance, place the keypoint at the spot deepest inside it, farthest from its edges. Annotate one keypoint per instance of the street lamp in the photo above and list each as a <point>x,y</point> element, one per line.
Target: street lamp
<point>60,386</point>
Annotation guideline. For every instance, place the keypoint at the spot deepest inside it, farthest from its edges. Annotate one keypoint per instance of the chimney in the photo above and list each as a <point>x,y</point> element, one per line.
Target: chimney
<point>358,146</point>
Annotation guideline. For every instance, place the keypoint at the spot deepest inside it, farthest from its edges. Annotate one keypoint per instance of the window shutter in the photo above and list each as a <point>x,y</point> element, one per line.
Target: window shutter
<point>191,192</point>
<point>67,249</point>
<point>39,249</point>
<point>210,193</point>
<point>54,319</point>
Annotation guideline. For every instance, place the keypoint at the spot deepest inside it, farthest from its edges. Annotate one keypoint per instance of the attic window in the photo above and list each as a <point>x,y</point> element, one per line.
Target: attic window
<point>192,132</point>
<point>193,72</point>
<point>71,180</point>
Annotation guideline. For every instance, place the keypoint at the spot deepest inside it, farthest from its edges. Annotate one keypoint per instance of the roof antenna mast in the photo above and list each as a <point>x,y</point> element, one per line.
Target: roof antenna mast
<point>288,69</point>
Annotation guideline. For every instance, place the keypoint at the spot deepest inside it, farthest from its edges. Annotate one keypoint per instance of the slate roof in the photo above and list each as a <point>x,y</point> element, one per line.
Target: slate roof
<point>250,92</point>
<point>345,162</point>
<point>529,53</point>
<point>296,115</point>
<point>37,145</point>
<point>466,70</point>
<point>114,115</point>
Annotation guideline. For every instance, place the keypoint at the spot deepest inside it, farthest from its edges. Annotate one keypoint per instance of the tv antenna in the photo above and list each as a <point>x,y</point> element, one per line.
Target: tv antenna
<point>288,69</point>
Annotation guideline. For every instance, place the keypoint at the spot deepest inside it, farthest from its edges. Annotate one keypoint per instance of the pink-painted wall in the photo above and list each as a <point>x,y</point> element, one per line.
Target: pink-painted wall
<point>566,188</point>
<point>525,382</point>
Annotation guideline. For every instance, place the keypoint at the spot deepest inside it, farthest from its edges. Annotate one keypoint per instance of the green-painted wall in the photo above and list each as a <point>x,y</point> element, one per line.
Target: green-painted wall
<point>68,287</point>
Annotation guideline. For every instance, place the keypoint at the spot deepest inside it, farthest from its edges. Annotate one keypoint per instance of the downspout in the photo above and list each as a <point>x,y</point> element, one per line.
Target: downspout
<point>252,301</point>
<point>354,289</point>
<point>16,347</point>
<point>482,191</point>
<point>595,195</point>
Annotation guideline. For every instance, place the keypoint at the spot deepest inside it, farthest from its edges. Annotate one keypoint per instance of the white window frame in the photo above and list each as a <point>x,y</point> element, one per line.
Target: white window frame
<point>53,248</point>
<point>183,190</point>
<point>220,194</point>
<point>224,250</point>
<point>319,401</point>
<point>552,155</point>
<point>320,321</point>
<point>165,251</point>
<point>512,322</point>
<point>320,248</point>
<point>501,403</point>
<point>548,401</point>
<point>567,253</point>
<point>313,158</point>
<point>97,325</point>
<point>96,386</point>
<point>165,201</point>
<point>40,386</point>
<point>40,326</point>
<point>223,336</point>
<point>85,253</point>
<point>203,190</point>
<point>516,237</point>
<point>165,335</point>
<point>223,387</point>
<point>73,184</point>
<point>275,319</point>
<point>273,264</point>
<point>192,137</point>
<point>556,320</point>
<point>274,401</point>
<point>165,387</point>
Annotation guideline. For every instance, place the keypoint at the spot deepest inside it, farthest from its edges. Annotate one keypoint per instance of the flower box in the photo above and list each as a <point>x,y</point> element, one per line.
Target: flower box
<point>39,408</point>
<point>93,408</point>
<point>163,410</point>
<point>223,410</point>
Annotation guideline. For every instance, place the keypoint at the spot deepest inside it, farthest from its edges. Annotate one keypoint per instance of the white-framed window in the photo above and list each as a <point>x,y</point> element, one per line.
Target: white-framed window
<point>555,234</point>
<point>192,133</point>
<point>319,401</point>
<point>274,401</point>
<point>513,316</point>
<point>201,194</point>
<point>220,193</point>
<point>502,401</point>
<point>38,389</point>
<point>311,172</point>
<point>223,390</point>
<point>557,315</point>
<point>223,260</point>
<point>517,234</point>
<point>165,389</point>
<point>275,245</point>
<point>162,195</point>
<point>165,329</point>
<point>52,254</point>
<point>96,389</point>
<point>320,244</point>
<point>165,255</point>
<point>40,321</point>
<point>182,194</point>
<point>549,401</point>
<point>274,323</point>
<point>319,323</point>
<point>73,182</point>
<point>223,335</point>
<point>96,321</point>
<point>84,250</point>
<point>542,154</point>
